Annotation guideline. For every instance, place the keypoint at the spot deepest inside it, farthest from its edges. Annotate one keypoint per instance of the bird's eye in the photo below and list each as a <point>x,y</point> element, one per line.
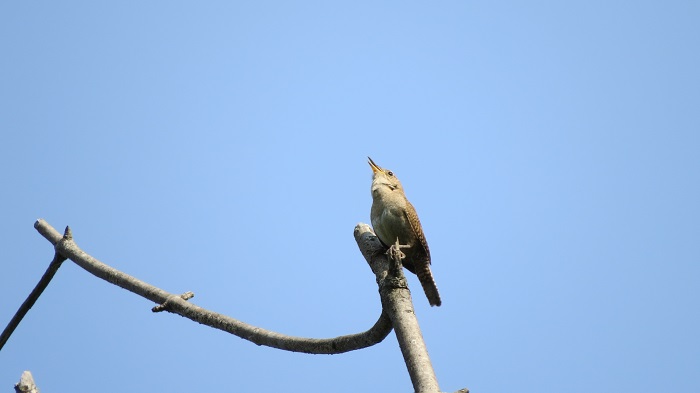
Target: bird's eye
<point>390,173</point>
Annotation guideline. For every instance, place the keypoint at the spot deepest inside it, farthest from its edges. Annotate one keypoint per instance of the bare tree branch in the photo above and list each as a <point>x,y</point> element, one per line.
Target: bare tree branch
<point>397,306</point>
<point>32,298</point>
<point>397,303</point>
<point>26,384</point>
<point>177,304</point>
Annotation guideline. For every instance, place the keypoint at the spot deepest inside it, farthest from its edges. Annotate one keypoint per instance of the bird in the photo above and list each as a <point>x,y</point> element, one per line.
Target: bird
<point>394,217</point>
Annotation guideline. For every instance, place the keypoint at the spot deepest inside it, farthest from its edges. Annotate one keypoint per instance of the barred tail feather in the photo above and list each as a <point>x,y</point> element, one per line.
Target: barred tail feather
<point>425,276</point>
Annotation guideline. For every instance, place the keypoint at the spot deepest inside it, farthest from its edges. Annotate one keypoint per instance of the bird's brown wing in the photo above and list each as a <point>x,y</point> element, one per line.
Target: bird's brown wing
<point>421,258</point>
<point>417,228</point>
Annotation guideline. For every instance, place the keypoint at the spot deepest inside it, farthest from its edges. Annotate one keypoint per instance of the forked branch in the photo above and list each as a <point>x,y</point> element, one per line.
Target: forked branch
<point>397,306</point>
<point>178,304</point>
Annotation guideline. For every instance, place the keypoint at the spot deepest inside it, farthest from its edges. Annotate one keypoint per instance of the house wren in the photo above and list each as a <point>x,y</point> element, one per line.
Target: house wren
<point>393,217</point>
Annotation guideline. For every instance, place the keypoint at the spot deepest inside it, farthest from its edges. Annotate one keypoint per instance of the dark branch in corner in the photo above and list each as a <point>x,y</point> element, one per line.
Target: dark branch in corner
<point>34,295</point>
<point>178,304</point>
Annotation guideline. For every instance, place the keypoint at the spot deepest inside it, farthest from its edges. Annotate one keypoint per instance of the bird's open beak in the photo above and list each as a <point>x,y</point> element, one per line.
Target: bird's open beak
<point>375,167</point>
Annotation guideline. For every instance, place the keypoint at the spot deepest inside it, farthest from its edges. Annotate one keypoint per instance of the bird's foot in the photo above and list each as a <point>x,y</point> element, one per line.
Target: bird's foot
<point>395,253</point>
<point>395,250</point>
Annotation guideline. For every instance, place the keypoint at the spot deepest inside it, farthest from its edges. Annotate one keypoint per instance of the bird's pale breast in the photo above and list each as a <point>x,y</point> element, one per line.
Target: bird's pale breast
<point>390,223</point>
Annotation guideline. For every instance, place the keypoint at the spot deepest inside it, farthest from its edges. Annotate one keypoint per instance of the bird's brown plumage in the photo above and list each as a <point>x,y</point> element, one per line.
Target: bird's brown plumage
<point>393,216</point>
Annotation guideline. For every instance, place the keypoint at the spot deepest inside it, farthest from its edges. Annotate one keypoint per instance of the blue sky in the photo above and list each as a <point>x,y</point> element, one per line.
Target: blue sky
<point>550,148</point>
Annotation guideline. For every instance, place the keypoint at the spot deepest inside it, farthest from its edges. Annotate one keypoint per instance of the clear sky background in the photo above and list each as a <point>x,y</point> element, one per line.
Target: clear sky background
<point>551,150</point>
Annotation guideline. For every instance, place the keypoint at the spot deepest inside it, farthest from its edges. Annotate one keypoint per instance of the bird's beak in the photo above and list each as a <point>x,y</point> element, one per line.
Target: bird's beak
<point>375,167</point>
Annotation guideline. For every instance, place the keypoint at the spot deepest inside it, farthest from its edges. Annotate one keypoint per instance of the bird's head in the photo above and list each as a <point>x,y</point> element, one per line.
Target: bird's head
<point>383,179</point>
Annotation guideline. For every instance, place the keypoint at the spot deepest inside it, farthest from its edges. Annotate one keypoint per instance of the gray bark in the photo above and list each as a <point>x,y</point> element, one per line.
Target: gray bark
<point>397,307</point>
<point>26,384</point>
<point>397,303</point>
<point>178,304</point>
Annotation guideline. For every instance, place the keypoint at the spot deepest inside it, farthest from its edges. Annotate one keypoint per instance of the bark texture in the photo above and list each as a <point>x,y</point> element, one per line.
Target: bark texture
<point>26,384</point>
<point>178,304</point>
<point>398,305</point>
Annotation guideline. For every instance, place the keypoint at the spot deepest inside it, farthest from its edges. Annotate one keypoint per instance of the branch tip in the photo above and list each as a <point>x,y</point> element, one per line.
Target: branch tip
<point>166,304</point>
<point>26,384</point>
<point>67,234</point>
<point>187,295</point>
